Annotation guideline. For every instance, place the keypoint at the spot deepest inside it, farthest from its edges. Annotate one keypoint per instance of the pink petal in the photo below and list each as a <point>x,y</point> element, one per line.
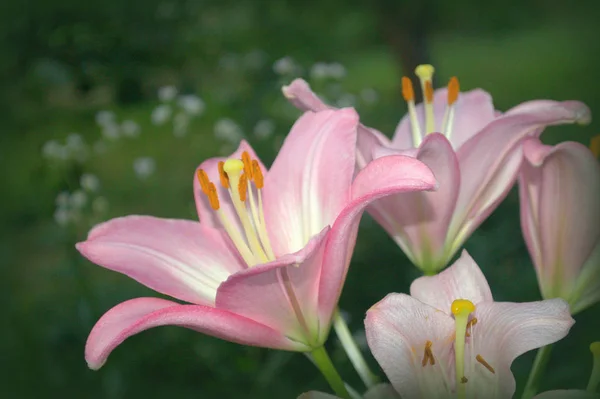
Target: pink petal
<point>368,140</point>
<point>207,216</point>
<point>179,258</point>
<point>490,160</point>
<point>560,201</point>
<point>136,315</point>
<point>567,394</point>
<point>398,328</point>
<point>505,331</point>
<point>473,111</point>
<point>302,97</point>
<point>382,177</point>
<point>419,221</point>
<point>462,280</point>
<point>309,182</point>
<point>275,293</point>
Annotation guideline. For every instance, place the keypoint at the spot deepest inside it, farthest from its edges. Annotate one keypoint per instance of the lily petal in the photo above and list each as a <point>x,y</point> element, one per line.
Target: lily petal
<point>282,294</point>
<point>382,177</point>
<point>560,202</point>
<point>505,331</point>
<point>567,394</point>
<point>207,216</point>
<point>472,112</point>
<point>309,181</point>
<point>179,258</point>
<point>302,97</point>
<point>398,328</point>
<point>490,160</point>
<point>462,280</point>
<point>136,315</point>
<point>419,221</point>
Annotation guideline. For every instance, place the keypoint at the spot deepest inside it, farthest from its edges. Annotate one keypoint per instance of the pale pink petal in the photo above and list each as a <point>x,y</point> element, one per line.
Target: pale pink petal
<point>561,192</point>
<point>382,177</point>
<point>567,394</point>
<point>368,140</point>
<point>462,280</point>
<point>179,258</point>
<point>505,331</point>
<point>398,328</point>
<point>419,221</point>
<point>302,97</point>
<point>136,315</point>
<point>490,160</point>
<point>207,216</point>
<point>282,294</point>
<point>309,181</point>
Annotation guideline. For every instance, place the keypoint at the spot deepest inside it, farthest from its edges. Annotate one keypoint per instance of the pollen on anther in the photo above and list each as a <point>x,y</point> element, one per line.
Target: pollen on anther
<point>223,176</point>
<point>470,324</point>
<point>428,355</point>
<point>247,165</point>
<point>259,181</point>
<point>243,187</point>
<point>453,90</point>
<point>407,89</point>
<point>485,364</point>
<point>213,198</point>
<point>428,92</point>
<point>203,180</point>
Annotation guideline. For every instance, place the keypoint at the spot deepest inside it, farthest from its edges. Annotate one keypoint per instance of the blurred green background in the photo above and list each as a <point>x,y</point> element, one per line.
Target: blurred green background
<point>108,106</point>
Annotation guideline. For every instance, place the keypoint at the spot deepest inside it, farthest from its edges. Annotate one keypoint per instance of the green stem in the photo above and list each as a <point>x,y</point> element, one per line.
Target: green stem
<point>595,375</point>
<point>353,351</point>
<point>324,364</point>
<point>538,369</point>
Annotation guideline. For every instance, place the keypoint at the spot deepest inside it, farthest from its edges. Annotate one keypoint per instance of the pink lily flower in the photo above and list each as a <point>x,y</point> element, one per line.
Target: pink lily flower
<point>559,188</point>
<point>266,264</point>
<point>449,339</point>
<point>473,150</point>
<point>379,391</point>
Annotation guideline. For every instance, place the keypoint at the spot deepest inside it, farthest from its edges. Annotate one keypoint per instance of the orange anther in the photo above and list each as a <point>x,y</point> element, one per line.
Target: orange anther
<point>247,164</point>
<point>223,176</point>
<point>470,324</point>
<point>428,355</point>
<point>595,146</point>
<point>213,197</point>
<point>453,90</point>
<point>485,364</point>
<point>407,89</point>
<point>259,180</point>
<point>243,187</point>
<point>428,92</point>
<point>203,180</point>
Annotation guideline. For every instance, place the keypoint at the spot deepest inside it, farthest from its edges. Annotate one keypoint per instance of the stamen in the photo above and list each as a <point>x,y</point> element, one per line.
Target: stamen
<point>247,165</point>
<point>203,180</point>
<point>470,324</point>
<point>461,309</point>
<point>213,198</point>
<point>595,146</point>
<point>409,96</point>
<point>448,121</point>
<point>425,74</point>
<point>223,176</point>
<point>243,187</point>
<point>595,375</point>
<point>257,175</point>
<point>485,364</point>
<point>428,355</point>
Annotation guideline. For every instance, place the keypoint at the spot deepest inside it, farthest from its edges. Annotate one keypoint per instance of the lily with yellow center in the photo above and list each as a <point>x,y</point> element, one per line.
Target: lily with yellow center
<point>474,150</point>
<point>266,263</point>
<point>449,339</point>
<point>559,188</point>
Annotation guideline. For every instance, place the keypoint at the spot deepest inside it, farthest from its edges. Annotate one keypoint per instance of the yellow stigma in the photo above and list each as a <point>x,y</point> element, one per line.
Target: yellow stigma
<point>595,146</point>
<point>233,167</point>
<point>425,74</point>
<point>462,306</point>
<point>425,71</point>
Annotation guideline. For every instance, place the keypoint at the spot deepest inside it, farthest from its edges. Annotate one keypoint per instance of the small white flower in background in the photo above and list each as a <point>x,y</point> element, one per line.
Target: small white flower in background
<point>346,100</point>
<point>89,182</point>
<point>264,129</point>
<point>104,118</point>
<point>167,93</point>
<point>369,96</point>
<point>181,122</point>
<point>52,149</point>
<point>144,167</point>
<point>191,104</point>
<point>337,70</point>
<point>62,199</point>
<point>320,70</point>
<point>99,205</point>
<point>130,128</point>
<point>62,216</point>
<point>227,130</point>
<point>110,132</point>
<point>161,114</point>
<point>76,147</point>
<point>78,199</point>
<point>285,66</point>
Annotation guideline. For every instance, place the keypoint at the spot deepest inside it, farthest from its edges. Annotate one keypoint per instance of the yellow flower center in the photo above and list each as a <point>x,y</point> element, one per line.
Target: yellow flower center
<point>243,179</point>
<point>461,309</point>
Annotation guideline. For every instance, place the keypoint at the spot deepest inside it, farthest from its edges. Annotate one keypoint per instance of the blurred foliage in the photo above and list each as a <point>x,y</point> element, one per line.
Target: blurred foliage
<point>61,62</point>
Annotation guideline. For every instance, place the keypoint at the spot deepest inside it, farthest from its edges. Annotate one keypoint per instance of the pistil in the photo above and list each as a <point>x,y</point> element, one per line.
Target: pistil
<point>425,74</point>
<point>461,309</point>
